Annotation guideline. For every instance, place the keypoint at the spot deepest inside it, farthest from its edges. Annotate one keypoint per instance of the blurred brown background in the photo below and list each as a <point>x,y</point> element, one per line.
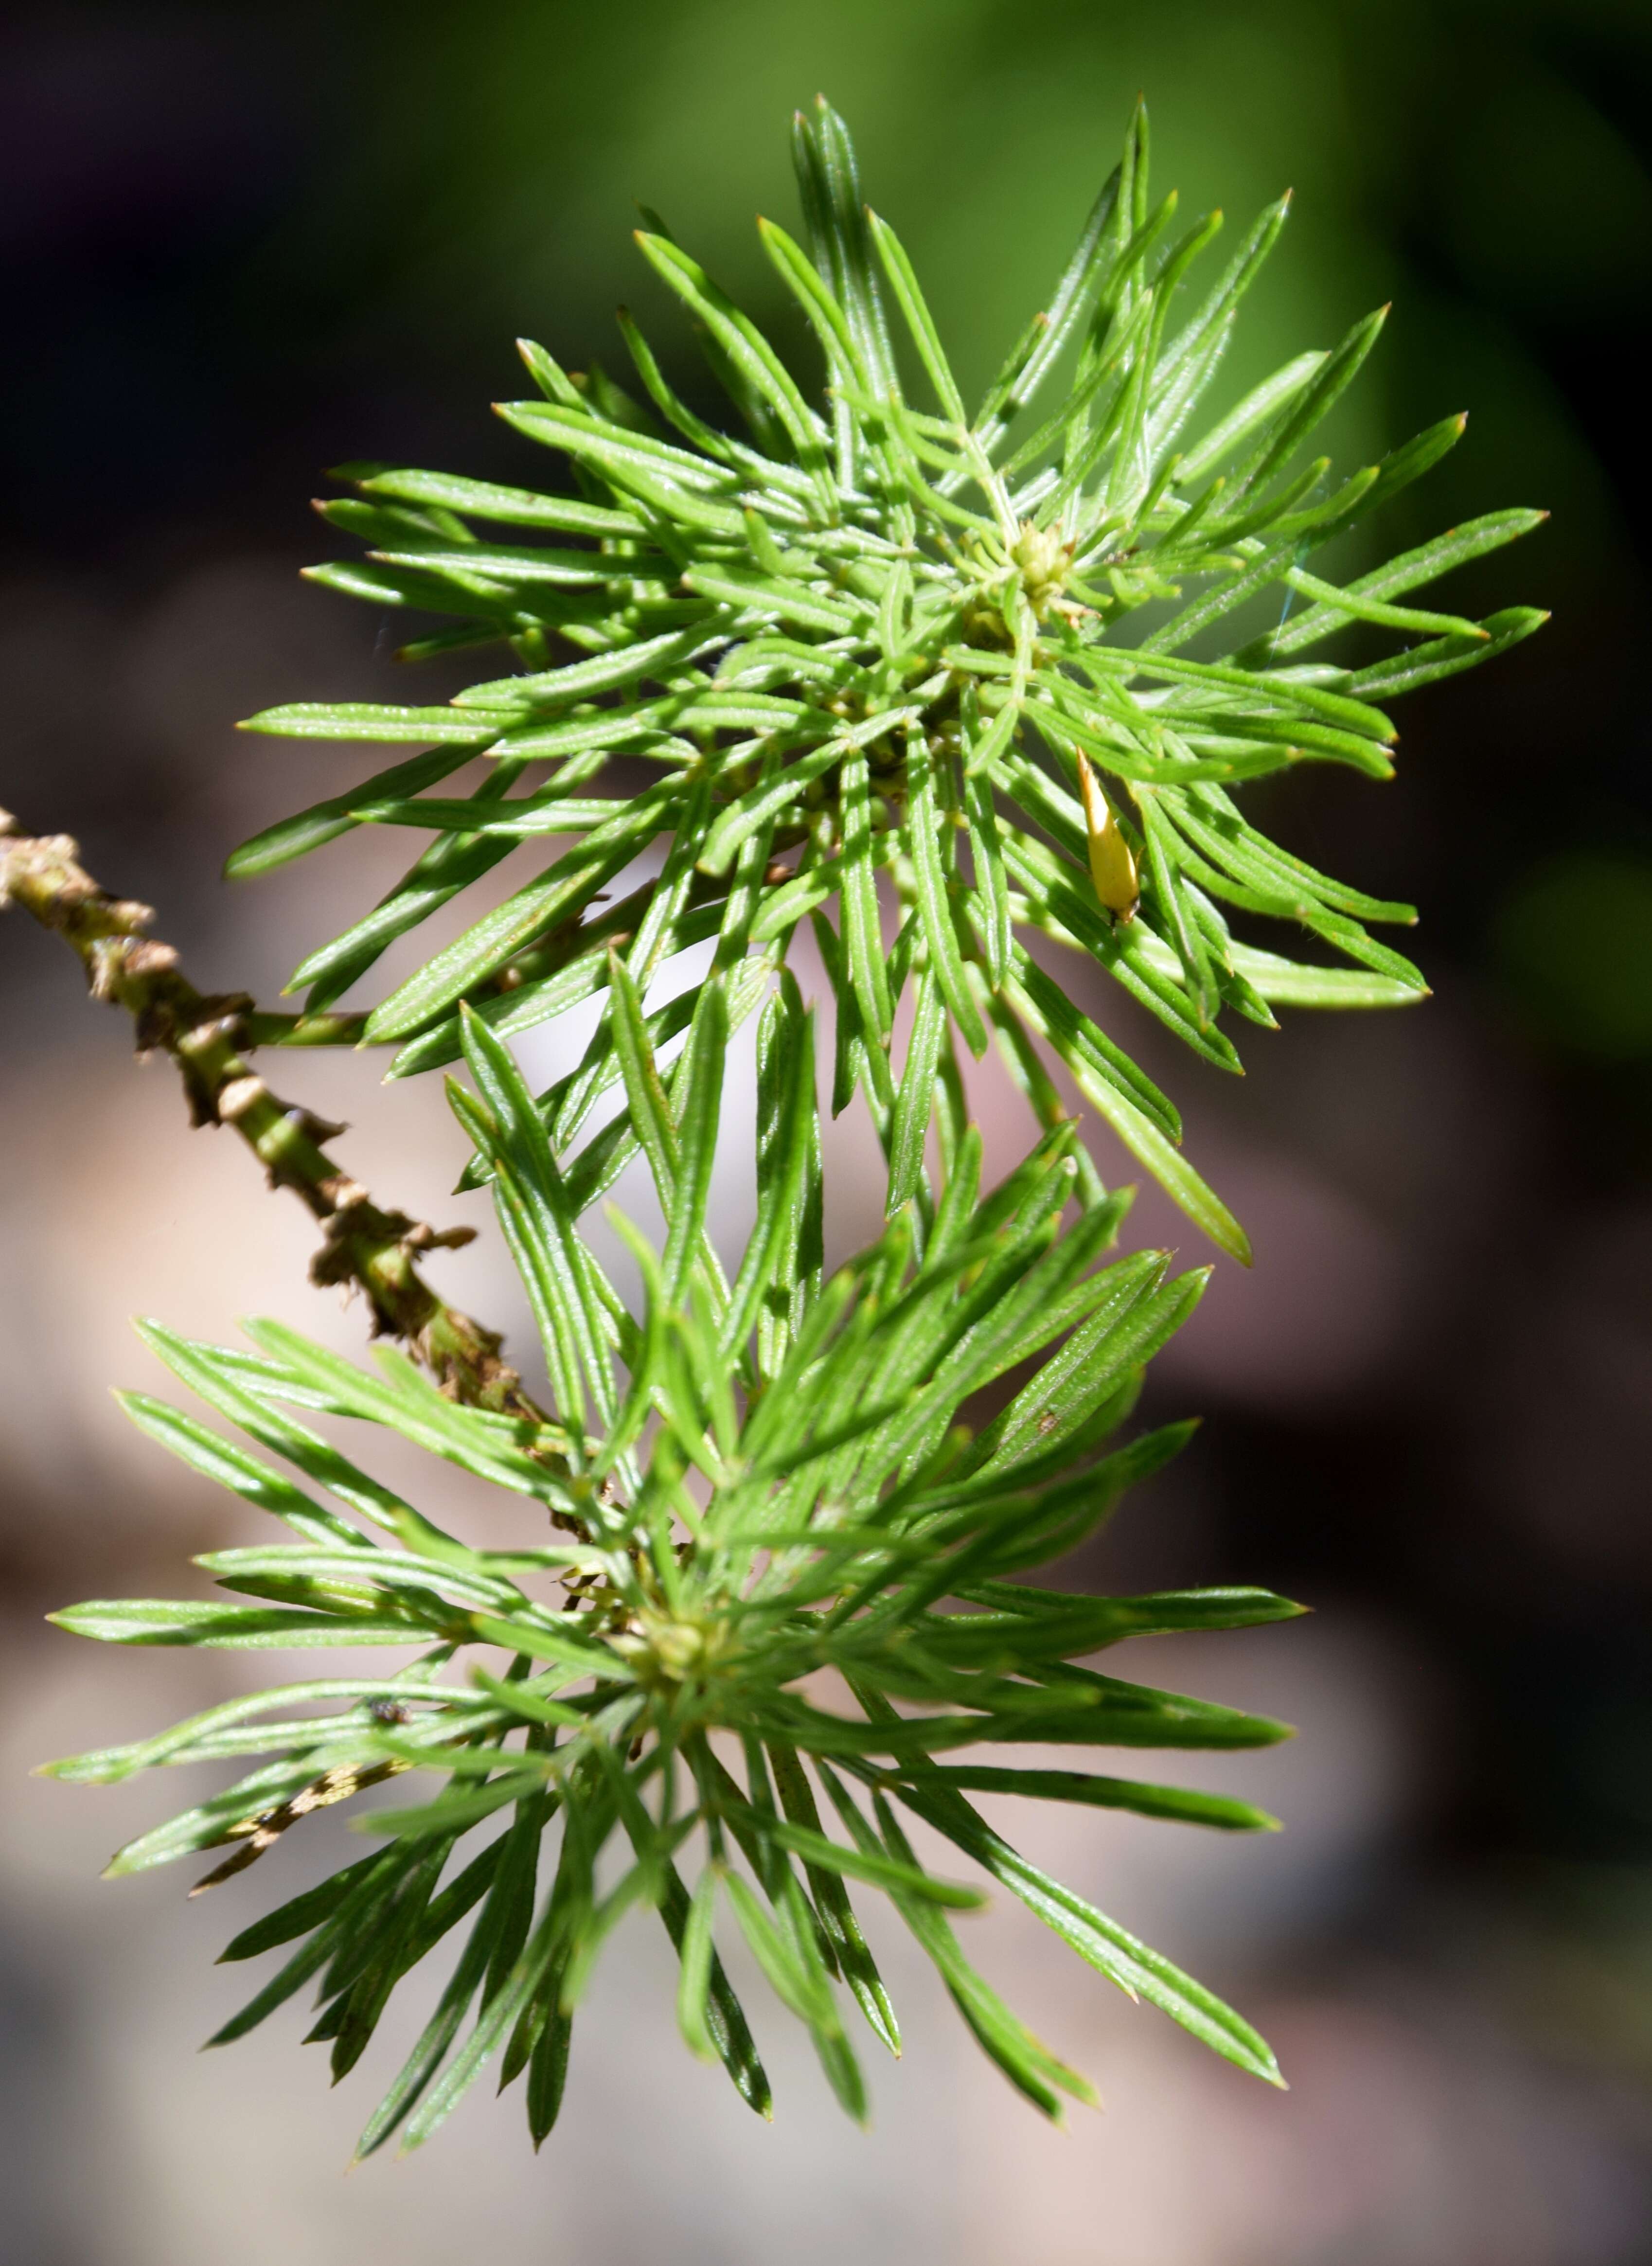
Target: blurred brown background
<point>245,242</point>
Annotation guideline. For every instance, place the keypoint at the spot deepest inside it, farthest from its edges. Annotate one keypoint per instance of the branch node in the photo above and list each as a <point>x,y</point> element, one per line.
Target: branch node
<point>425,1237</point>
<point>313,1127</point>
<point>341,1194</point>
<point>240,1095</point>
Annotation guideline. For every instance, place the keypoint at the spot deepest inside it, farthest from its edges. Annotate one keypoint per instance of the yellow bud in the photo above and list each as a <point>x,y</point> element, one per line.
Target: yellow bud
<point>1112,866</point>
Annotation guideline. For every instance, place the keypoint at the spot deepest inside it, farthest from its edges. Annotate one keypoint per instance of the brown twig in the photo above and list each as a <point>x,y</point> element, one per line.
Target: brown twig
<point>374,1250</point>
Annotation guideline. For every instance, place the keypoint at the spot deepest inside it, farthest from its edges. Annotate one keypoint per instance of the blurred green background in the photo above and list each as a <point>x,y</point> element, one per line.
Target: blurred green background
<point>245,242</point>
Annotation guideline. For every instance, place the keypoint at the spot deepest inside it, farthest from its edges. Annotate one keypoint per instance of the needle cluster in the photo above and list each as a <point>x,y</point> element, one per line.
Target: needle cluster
<point>916,685</point>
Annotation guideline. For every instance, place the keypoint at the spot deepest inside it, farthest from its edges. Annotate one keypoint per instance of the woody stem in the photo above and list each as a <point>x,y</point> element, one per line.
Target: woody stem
<point>208,1038</point>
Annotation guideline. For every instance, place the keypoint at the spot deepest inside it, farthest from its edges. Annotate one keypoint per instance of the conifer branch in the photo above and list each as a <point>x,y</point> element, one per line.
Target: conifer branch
<point>875,661</point>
